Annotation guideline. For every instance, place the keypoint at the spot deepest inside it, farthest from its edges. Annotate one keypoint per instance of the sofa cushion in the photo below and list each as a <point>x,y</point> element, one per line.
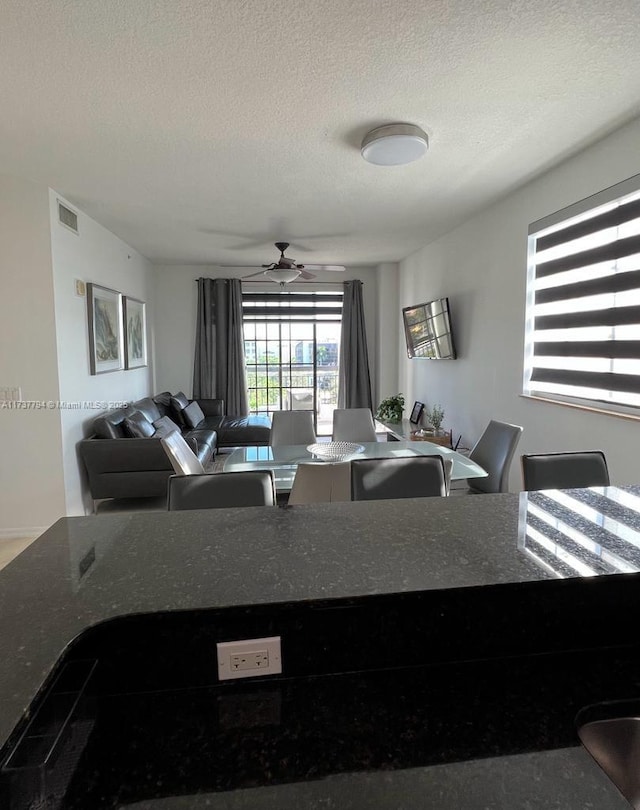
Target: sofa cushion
<point>163,403</point>
<point>111,425</point>
<point>178,403</point>
<point>148,408</point>
<point>106,429</point>
<point>137,426</point>
<point>164,426</point>
<point>205,442</point>
<point>244,430</point>
<point>211,423</point>
<point>192,414</point>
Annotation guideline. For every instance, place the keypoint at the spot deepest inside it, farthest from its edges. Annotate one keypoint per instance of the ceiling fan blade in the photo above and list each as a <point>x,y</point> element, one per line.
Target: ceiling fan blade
<point>253,275</point>
<point>304,274</point>
<point>237,266</point>
<point>337,267</point>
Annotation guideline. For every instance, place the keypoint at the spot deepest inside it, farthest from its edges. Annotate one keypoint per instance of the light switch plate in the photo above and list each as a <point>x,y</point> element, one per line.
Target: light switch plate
<point>10,394</point>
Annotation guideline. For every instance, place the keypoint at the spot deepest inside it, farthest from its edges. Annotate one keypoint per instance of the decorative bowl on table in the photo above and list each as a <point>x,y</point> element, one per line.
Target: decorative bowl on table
<point>334,451</point>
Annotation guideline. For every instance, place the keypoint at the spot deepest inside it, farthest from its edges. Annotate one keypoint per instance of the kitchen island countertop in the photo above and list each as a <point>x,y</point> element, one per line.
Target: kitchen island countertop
<point>86,571</point>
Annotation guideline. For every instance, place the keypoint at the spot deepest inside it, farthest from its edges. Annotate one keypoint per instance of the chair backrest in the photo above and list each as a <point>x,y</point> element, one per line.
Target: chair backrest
<point>494,452</point>
<point>353,425</point>
<point>412,477</point>
<point>321,483</point>
<point>565,470</point>
<point>292,427</point>
<point>221,490</point>
<point>448,469</point>
<point>183,460</point>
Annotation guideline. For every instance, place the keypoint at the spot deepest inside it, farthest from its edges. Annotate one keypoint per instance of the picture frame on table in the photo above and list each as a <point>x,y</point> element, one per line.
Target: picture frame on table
<point>135,332</point>
<point>106,345</point>
<point>416,412</point>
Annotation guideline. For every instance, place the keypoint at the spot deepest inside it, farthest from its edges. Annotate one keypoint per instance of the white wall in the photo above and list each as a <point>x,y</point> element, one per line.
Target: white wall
<point>481,267</point>
<point>95,255</point>
<point>31,486</point>
<point>387,332</point>
<point>175,324</point>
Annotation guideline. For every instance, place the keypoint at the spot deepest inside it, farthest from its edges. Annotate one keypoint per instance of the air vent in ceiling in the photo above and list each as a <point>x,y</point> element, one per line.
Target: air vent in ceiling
<point>67,217</point>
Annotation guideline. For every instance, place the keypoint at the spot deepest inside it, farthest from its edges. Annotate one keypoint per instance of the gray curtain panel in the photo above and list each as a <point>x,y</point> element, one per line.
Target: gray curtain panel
<point>354,387</point>
<point>219,370</point>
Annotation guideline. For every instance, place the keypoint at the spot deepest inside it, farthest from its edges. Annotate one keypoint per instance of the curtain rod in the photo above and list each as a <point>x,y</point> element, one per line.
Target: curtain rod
<point>289,283</point>
<point>303,283</point>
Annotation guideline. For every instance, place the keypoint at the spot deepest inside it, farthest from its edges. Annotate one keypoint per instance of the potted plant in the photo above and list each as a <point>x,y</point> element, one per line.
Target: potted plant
<point>435,417</point>
<point>391,409</point>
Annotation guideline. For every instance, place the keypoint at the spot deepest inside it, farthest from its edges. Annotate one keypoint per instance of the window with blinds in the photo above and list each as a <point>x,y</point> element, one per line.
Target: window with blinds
<point>294,305</point>
<point>582,337</point>
<point>291,351</point>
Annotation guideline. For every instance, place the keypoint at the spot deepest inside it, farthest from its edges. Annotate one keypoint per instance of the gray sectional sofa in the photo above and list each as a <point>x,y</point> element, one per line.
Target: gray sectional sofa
<point>125,459</point>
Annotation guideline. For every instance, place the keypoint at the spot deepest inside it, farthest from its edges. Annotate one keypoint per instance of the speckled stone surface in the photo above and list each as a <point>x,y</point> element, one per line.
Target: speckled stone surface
<point>84,571</point>
<point>496,733</point>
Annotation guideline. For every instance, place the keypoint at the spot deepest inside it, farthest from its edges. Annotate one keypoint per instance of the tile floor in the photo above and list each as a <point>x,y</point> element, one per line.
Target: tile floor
<point>9,549</point>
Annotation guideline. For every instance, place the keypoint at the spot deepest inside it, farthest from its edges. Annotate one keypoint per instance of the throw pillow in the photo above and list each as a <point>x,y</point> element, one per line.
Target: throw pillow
<point>107,429</point>
<point>137,426</point>
<point>164,426</point>
<point>178,403</point>
<point>163,403</point>
<point>193,415</point>
<point>163,399</point>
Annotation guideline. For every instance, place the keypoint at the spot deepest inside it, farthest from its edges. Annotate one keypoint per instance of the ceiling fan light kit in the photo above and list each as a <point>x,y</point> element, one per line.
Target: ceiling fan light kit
<point>394,144</point>
<point>283,275</point>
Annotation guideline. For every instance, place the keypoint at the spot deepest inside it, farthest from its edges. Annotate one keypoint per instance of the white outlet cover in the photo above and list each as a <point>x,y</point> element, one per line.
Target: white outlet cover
<point>226,649</point>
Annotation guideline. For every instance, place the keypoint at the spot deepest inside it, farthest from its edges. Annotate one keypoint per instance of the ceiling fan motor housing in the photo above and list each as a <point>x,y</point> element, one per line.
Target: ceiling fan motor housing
<point>286,270</point>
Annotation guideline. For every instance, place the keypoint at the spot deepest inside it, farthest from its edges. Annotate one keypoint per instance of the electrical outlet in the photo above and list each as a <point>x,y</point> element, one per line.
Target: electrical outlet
<point>249,658</point>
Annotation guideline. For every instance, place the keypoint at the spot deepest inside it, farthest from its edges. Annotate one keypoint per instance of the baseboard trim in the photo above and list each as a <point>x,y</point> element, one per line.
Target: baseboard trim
<point>16,534</point>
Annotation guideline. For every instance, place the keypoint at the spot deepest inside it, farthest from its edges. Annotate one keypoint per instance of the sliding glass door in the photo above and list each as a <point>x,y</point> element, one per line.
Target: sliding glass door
<point>291,347</point>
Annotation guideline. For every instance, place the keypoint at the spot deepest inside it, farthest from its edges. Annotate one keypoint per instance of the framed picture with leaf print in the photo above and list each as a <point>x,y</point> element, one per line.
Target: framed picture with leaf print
<point>135,333</point>
<point>106,347</point>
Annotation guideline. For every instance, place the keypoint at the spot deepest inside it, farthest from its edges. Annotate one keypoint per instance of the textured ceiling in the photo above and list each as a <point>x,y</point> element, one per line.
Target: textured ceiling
<point>202,131</point>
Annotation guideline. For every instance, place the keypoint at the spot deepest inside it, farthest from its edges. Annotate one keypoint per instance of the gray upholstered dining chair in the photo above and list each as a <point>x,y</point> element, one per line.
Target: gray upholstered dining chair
<point>404,477</point>
<point>587,468</point>
<point>292,427</point>
<point>221,490</point>
<point>494,452</point>
<point>321,483</point>
<point>353,425</point>
<point>183,460</point>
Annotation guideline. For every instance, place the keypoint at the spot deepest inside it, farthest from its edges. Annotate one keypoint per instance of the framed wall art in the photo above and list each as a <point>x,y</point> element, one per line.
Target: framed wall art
<point>135,333</point>
<point>106,348</point>
<point>416,412</point>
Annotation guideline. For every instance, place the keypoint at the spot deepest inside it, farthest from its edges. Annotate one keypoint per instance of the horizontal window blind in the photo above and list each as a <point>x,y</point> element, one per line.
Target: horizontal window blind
<point>292,306</point>
<point>583,305</point>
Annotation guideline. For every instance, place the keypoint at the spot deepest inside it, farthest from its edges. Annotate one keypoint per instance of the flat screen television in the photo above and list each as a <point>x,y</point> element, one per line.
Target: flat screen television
<point>427,328</point>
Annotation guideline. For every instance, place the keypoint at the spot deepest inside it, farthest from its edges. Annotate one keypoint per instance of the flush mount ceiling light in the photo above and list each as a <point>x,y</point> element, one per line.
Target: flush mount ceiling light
<point>282,275</point>
<point>394,144</point>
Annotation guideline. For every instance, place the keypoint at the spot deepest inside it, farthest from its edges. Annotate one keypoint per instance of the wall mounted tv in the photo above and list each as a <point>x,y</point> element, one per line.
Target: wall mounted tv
<point>427,328</point>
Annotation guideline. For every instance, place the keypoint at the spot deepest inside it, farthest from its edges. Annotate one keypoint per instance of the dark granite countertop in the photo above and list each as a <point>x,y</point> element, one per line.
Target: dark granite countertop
<point>486,733</point>
<point>86,571</point>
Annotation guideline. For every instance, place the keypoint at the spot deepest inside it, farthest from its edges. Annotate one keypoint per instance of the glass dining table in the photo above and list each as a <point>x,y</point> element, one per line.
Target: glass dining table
<point>284,459</point>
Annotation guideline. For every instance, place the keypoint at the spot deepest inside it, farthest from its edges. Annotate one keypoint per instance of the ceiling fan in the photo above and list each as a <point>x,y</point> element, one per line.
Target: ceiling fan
<point>286,269</point>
